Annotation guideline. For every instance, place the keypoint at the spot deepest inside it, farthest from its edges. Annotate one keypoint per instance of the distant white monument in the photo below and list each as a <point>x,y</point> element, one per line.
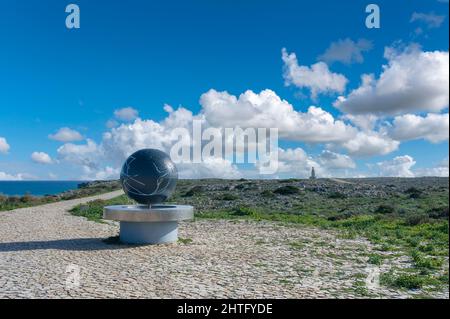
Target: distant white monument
<point>313,174</point>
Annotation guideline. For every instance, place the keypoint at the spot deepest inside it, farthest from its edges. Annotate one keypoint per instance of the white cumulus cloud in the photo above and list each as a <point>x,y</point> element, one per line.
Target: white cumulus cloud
<point>346,51</point>
<point>8,177</point>
<point>399,166</point>
<point>122,141</point>
<point>295,162</point>
<point>126,114</point>
<point>440,170</point>
<point>41,158</point>
<point>267,109</point>
<point>15,177</point>
<point>318,78</point>
<point>402,166</point>
<point>65,135</point>
<point>370,143</point>
<point>211,167</point>
<point>111,123</point>
<point>106,173</point>
<point>431,19</point>
<point>432,127</point>
<point>4,146</point>
<point>412,81</point>
<point>332,160</point>
<point>88,155</point>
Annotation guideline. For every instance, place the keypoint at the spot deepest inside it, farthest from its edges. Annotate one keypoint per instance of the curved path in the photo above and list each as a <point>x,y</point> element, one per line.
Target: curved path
<point>47,253</point>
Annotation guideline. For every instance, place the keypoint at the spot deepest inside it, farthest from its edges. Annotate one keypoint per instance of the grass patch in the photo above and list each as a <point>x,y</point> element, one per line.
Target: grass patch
<point>14,202</point>
<point>402,281</point>
<point>93,210</point>
<point>359,285</point>
<point>375,259</point>
<point>410,280</point>
<point>185,241</point>
<point>422,261</point>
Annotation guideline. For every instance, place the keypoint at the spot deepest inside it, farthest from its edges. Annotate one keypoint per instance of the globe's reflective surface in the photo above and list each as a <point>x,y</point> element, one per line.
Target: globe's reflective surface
<point>149,176</point>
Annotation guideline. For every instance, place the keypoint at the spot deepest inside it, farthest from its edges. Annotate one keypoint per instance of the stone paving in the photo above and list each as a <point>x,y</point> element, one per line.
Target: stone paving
<point>47,253</point>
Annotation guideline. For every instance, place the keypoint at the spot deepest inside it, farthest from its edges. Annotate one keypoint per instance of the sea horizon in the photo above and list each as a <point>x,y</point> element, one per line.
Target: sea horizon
<point>37,187</point>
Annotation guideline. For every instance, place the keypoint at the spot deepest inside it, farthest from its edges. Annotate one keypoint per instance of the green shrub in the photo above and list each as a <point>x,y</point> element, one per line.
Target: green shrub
<point>375,259</point>
<point>289,180</point>
<point>438,213</point>
<point>406,281</point>
<point>444,278</point>
<point>340,216</point>
<point>27,198</point>
<point>413,192</point>
<point>422,261</point>
<point>337,195</point>
<point>287,190</point>
<point>194,191</point>
<point>385,209</point>
<point>267,194</point>
<point>418,219</point>
<point>13,200</point>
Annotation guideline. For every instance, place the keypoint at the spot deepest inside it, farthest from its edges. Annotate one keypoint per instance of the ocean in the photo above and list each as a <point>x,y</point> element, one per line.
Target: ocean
<point>36,188</point>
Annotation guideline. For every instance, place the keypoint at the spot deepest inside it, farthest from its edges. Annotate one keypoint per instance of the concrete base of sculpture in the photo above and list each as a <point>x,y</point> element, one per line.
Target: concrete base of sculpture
<point>141,224</point>
<point>148,233</point>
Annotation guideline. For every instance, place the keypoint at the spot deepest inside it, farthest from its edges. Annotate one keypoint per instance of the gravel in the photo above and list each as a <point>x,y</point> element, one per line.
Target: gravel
<point>47,253</point>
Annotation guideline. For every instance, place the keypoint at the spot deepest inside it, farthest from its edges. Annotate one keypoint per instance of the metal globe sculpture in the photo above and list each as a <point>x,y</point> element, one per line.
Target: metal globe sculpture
<point>149,176</point>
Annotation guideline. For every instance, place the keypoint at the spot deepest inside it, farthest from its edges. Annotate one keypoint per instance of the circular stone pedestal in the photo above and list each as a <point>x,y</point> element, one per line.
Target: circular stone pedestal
<point>141,224</point>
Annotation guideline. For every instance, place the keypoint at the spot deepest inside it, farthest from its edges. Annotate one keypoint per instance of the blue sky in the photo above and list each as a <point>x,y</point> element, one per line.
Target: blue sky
<point>143,55</point>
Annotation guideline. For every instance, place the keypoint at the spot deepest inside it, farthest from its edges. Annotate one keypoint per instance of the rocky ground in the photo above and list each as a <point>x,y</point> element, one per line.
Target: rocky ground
<point>47,253</point>
<point>324,197</point>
